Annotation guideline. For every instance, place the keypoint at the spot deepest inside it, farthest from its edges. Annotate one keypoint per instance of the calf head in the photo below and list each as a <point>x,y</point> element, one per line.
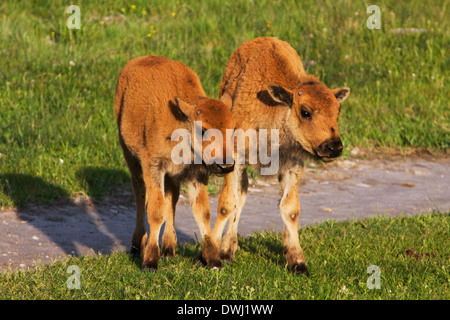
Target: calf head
<point>211,137</point>
<point>313,120</point>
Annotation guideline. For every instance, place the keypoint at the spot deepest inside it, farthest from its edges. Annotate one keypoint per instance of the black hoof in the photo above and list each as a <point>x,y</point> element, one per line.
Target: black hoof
<point>168,251</point>
<point>200,260</point>
<point>300,268</point>
<point>135,252</point>
<point>226,257</point>
<point>215,264</point>
<point>149,266</point>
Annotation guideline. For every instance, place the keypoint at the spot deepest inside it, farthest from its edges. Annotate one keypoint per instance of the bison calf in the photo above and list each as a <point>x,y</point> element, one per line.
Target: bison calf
<point>269,89</point>
<point>155,96</point>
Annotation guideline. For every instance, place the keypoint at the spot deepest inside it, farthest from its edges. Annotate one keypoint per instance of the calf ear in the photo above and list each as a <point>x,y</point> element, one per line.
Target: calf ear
<point>280,94</point>
<point>183,108</point>
<point>226,98</point>
<point>342,93</point>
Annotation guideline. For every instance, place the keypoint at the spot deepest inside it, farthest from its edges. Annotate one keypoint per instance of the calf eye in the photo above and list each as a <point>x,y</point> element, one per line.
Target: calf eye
<point>305,114</point>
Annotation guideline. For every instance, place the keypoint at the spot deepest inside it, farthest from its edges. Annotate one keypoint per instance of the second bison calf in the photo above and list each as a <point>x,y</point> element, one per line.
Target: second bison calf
<point>154,97</point>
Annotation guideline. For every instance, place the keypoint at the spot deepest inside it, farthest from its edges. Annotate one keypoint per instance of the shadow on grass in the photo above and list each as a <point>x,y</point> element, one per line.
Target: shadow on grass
<point>101,181</point>
<point>77,225</point>
<point>72,223</point>
<point>23,189</point>
<point>267,245</point>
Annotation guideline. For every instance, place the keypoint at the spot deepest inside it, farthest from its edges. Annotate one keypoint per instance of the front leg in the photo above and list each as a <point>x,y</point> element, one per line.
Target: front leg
<point>228,203</point>
<point>290,210</point>
<point>230,240</point>
<point>198,197</point>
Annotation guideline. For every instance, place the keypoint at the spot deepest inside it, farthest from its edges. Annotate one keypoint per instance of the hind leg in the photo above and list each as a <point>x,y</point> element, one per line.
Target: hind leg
<point>157,210</point>
<point>169,239</point>
<point>137,182</point>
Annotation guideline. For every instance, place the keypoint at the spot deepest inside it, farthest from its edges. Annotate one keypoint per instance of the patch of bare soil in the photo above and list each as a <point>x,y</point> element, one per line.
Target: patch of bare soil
<point>411,252</point>
<point>346,189</point>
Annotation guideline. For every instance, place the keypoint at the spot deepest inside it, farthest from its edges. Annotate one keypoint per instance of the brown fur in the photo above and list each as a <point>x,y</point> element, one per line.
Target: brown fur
<point>269,89</point>
<point>154,97</point>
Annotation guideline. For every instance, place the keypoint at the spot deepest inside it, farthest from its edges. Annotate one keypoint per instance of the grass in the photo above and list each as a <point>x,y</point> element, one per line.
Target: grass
<point>58,136</point>
<point>411,252</point>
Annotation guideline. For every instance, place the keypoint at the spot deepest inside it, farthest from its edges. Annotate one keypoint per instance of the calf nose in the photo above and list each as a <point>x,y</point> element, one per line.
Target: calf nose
<point>331,148</point>
<point>335,147</point>
<point>226,167</point>
<point>229,163</point>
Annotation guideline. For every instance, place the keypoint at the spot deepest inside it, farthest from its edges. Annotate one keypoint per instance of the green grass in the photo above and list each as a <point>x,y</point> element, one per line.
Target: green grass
<point>338,255</point>
<point>58,136</point>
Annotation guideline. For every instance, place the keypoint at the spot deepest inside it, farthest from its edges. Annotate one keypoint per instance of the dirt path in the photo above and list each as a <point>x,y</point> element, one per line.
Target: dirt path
<point>347,189</point>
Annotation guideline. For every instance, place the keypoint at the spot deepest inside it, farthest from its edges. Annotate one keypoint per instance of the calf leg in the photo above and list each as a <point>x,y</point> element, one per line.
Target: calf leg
<point>137,182</point>
<point>290,210</point>
<point>198,196</point>
<point>169,239</point>
<point>230,241</point>
<point>228,202</point>
<point>157,211</point>
<point>139,235</point>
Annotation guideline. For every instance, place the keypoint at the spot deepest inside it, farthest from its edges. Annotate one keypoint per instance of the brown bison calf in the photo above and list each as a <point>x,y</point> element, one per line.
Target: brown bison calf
<point>269,89</point>
<point>155,97</point>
